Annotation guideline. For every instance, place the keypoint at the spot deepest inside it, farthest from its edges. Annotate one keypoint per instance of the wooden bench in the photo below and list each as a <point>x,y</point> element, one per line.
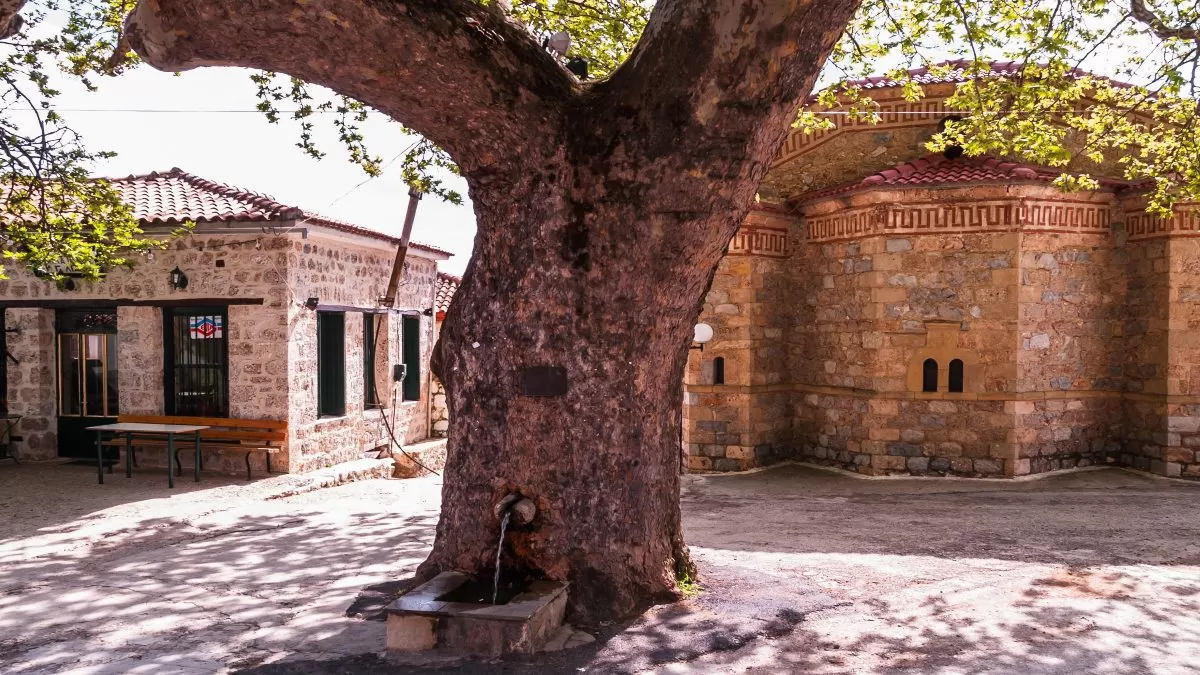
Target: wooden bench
<point>223,434</point>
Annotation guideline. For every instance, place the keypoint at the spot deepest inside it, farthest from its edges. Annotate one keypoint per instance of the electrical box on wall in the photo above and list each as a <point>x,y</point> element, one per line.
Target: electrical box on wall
<point>399,371</point>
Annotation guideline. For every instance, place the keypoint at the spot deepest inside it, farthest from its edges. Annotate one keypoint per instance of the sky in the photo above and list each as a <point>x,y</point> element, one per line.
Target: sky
<point>244,150</point>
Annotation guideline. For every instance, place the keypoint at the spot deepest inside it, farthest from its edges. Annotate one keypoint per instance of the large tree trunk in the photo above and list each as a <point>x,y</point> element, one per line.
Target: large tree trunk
<point>602,211</point>
<point>563,281</point>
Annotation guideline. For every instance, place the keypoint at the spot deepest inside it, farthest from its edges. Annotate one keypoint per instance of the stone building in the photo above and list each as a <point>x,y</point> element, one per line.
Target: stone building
<point>439,412</point>
<point>886,311</point>
<point>281,317</point>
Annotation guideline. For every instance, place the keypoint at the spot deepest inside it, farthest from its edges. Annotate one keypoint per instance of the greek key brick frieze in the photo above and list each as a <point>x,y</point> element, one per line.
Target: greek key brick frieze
<point>893,115</point>
<point>963,217</point>
<point>768,242</point>
<point>1143,225</point>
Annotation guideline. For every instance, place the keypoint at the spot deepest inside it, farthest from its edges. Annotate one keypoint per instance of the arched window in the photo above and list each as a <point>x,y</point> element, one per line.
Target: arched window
<point>719,370</point>
<point>956,375</point>
<point>929,373</point>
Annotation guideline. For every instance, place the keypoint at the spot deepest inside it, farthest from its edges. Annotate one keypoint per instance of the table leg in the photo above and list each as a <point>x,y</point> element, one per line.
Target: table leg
<point>171,458</point>
<point>100,456</point>
<point>197,456</point>
<point>129,455</point>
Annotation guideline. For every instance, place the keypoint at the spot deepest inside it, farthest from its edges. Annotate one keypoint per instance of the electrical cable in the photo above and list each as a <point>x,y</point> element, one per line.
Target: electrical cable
<point>383,416</point>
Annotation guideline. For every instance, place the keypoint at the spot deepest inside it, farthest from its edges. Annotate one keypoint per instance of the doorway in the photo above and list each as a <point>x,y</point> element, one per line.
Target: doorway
<point>88,387</point>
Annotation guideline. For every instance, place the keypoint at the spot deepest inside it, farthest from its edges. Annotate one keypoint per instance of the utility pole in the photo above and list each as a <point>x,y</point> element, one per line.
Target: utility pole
<point>414,198</point>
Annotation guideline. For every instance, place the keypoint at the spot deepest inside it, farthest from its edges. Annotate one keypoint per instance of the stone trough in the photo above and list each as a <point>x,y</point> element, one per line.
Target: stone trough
<point>423,620</point>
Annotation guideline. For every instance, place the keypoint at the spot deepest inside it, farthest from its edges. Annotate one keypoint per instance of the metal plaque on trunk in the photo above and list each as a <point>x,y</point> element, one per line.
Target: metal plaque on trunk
<point>544,381</point>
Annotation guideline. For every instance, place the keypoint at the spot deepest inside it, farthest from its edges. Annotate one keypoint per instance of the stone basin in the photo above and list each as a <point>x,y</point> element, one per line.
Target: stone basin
<point>420,620</point>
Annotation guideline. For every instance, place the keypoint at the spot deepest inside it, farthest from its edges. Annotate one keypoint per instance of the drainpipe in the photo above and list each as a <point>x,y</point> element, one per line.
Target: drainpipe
<point>414,198</point>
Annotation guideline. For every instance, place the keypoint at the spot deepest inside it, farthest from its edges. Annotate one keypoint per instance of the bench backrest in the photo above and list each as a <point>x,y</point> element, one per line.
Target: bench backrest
<point>222,428</point>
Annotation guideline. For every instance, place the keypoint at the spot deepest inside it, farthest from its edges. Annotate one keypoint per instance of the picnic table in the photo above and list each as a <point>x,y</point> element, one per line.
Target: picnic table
<point>142,430</point>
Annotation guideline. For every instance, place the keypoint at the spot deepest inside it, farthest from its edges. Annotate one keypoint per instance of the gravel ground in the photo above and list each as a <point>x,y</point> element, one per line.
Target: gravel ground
<point>803,571</point>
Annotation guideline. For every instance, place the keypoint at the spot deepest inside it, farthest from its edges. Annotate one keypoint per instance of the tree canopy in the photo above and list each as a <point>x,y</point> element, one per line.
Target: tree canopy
<point>1107,81</point>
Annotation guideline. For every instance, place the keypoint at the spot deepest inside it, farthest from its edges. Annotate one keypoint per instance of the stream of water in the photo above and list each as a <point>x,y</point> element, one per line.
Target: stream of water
<point>499,550</point>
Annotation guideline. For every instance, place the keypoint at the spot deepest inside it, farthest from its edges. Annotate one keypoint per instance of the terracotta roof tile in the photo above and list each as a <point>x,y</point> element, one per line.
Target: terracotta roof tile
<point>937,170</point>
<point>958,73</point>
<point>176,196</point>
<point>447,285</point>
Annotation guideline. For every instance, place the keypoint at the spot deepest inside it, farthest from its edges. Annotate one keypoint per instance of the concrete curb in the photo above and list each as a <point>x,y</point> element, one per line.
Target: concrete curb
<point>340,474</point>
<point>859,476</point>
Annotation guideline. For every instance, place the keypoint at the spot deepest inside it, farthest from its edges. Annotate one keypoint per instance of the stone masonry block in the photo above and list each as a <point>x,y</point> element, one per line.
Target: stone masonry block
<point>904,450</point>
<point>888,463</point>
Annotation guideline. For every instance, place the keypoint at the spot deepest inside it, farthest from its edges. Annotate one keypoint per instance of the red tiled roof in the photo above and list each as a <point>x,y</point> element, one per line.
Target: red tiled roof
<point>923,76</point>
<point>958,73</point>
<point>447,284</point>
<point>937,170</point>
<point>176,196</point>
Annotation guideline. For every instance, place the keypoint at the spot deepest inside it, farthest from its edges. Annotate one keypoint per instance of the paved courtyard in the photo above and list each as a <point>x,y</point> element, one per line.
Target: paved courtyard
<point>803,572</point>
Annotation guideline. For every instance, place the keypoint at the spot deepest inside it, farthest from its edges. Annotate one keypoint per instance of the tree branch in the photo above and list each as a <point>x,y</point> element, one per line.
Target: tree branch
<point>458,72</point>
<point>723,79</point>
<point>10,18</point>
<point>1138,10</point>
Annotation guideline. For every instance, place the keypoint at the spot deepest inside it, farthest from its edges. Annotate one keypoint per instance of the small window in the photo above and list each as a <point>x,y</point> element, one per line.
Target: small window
<point>929,375</point>
<point>956,375</point>
<point>719,370</point>
<point>411,343</point>
<point>370,348</point>
<point>331,364</point>
<point>197,362</point>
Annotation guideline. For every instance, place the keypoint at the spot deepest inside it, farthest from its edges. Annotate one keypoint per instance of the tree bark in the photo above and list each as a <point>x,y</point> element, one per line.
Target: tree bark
<point>602,213</point>
<point>10,18</point>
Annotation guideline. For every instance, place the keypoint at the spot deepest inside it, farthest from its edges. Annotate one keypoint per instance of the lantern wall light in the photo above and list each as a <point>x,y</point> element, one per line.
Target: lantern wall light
<point>179,280</point>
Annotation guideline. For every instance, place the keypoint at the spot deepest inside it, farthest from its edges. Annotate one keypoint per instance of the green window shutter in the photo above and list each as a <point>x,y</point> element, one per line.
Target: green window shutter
<point>331,364</point>
<point>412,358</point>
<point>370,340</point>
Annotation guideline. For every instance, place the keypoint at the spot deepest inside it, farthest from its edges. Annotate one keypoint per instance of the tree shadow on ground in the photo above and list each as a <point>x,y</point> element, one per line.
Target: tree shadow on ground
<point>809,572</point>
<point>44,497</point>
<point>1069,623</point>
<point>1087,622</point>
<point>800,576</point>
<point>193,595</point>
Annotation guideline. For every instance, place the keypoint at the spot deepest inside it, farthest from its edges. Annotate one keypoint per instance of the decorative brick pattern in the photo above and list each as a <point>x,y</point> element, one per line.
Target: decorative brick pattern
<point>1144,225</point>
<point>881,219</point>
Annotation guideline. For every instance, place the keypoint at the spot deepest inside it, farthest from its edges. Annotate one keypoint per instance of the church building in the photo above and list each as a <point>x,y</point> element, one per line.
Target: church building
<point>888,311</point>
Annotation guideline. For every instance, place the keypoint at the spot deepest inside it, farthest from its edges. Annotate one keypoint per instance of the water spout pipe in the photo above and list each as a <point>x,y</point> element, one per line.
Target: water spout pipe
<point>505,504</point>
<point>521,509</point>
<point>523,512</point>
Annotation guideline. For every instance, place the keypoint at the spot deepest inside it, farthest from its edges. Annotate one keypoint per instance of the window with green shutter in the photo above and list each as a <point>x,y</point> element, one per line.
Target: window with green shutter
<point>411,341</point>
<point>371,339</point>
<point>331,364</point>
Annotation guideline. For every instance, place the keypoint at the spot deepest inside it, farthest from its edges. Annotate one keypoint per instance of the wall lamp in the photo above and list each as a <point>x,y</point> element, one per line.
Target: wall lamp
<point>179,280</point>
<point>312,303</point>
<point>702,334</point>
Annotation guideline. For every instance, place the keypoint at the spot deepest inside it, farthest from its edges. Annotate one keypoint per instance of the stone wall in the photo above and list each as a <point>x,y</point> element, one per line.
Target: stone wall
<point>1162,364</point>
<point>31,381</point>
<point>1071,304</point>
<point>347,277</point>
<point>140,360</point>
<point>743,422</point>
<point>271,341</point>
<point>873,309</point>
<point>1076,340</point>
<point>439,412</point>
